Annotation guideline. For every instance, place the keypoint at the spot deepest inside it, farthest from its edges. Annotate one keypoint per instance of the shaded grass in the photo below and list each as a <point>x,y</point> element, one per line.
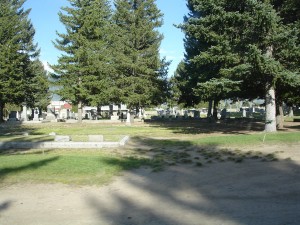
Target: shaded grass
<point>38,138</point>
<point>291,119</point>
<point>238,140</point>
<point>30,138</point>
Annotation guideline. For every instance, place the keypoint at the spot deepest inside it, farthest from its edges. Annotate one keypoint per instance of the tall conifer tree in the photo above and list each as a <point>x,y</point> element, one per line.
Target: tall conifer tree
<point>140,76</point>
<point>83,70</point>
<point>243,45</point>
<point>17,49</point>
<point>40,95</point>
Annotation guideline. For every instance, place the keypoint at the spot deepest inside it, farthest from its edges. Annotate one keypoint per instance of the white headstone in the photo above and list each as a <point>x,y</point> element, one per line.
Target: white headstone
<point>36,114</point>
<point>61,138</point>
<point>95,138</point>
<point>24,113</point>
<point>244,113</point>
<point>130,118</point>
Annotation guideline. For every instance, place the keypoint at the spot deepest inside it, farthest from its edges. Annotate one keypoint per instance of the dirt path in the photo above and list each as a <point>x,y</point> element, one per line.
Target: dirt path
<point>251,192</point>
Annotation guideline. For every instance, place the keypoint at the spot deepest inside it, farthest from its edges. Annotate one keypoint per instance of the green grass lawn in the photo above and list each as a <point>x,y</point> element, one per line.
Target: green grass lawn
<point>249,139</point>
<point>169,144</point>
<point>70,167</point>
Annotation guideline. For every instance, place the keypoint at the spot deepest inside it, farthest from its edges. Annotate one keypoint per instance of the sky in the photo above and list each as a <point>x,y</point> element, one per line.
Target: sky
<point>44,17</point>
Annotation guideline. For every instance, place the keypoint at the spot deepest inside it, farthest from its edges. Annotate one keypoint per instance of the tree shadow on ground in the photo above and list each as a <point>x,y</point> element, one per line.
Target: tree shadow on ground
<point>15,128</point>
<point>200,126</point>
<point>16,132</point>
<point>261,189</point>
<point>292,126</point>
<point>5,205</point>
<point>33,165</point>
<point>228,126</point>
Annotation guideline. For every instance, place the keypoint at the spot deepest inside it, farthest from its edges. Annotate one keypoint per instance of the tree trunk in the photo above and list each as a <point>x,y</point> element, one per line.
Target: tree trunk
<point>1,111</point>
<point>215,112</point>
<point>279,117</point>
<point>209,114</point>
<point>80,112</point>
<point>270,122</point>
<point>99,111</point>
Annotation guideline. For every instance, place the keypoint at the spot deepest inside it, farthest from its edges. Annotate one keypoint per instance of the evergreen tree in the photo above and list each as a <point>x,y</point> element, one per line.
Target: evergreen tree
<point>83,72</point>
<point>241,46</point>
<point>287,45</point>
<point>207,52</point>
<point>16,51</point>
<point>40,95</point>
<point>140,72</point>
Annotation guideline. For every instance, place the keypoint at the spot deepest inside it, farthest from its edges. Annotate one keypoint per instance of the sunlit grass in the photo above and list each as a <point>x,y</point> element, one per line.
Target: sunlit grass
<point>166,146</point>
<point>249,139</point>
<point>70,167</point>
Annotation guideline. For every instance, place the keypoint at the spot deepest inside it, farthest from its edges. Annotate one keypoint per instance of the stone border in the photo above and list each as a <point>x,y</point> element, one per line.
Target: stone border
<point>64,145</point>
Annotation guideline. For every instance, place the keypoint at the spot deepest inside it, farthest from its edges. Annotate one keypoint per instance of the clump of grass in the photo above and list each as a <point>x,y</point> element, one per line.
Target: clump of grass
<point>186,161</point>
<point>157,164</point>
<point>239,160</point>
<point>183,155</point>
<point>199,164</point>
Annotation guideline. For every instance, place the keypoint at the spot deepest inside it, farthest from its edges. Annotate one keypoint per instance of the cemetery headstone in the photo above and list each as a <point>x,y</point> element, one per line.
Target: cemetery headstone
<point>36,114</point>
<point>24,113</point>
<point>62,138</point>
<point>13,116</point>
<point>223,114</point>
<point>244,113</point>
<point>96,138</point>
<point>50,115</point>
<point>130,118</point>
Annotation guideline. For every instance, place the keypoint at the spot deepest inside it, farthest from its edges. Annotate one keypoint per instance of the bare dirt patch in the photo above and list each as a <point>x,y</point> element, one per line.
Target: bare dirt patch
<point>252,192</point>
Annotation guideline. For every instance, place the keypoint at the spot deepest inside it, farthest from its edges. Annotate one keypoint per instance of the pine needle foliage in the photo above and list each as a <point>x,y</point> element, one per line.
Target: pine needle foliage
<point>254,43</point>
<point>17,49</point>
<point>83,70</point>
<point>141,73</point>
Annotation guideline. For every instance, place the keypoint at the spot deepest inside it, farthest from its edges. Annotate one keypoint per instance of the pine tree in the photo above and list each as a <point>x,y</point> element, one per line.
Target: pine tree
<point>84,70</point>
<point>287,45</point>
<point>40,95</point>
<point>242,46</point>
<point>207,53</point>
<point>140,77</point>
<point>16,51</point>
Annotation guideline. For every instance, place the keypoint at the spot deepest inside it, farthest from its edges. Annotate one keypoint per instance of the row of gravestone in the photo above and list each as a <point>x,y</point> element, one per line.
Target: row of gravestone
<point>15,116</point>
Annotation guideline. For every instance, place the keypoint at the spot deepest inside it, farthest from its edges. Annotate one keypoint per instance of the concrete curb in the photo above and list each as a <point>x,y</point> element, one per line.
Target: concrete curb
<point>63,145</point>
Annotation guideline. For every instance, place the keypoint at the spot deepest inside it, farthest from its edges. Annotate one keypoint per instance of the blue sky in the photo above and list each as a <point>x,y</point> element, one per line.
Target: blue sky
<point>46,22</point>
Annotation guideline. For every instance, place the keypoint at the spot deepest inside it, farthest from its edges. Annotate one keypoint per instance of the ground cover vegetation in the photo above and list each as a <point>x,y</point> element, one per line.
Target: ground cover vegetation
<point>240,49</point>
<point>22,77</point>
<point>154,145</point>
